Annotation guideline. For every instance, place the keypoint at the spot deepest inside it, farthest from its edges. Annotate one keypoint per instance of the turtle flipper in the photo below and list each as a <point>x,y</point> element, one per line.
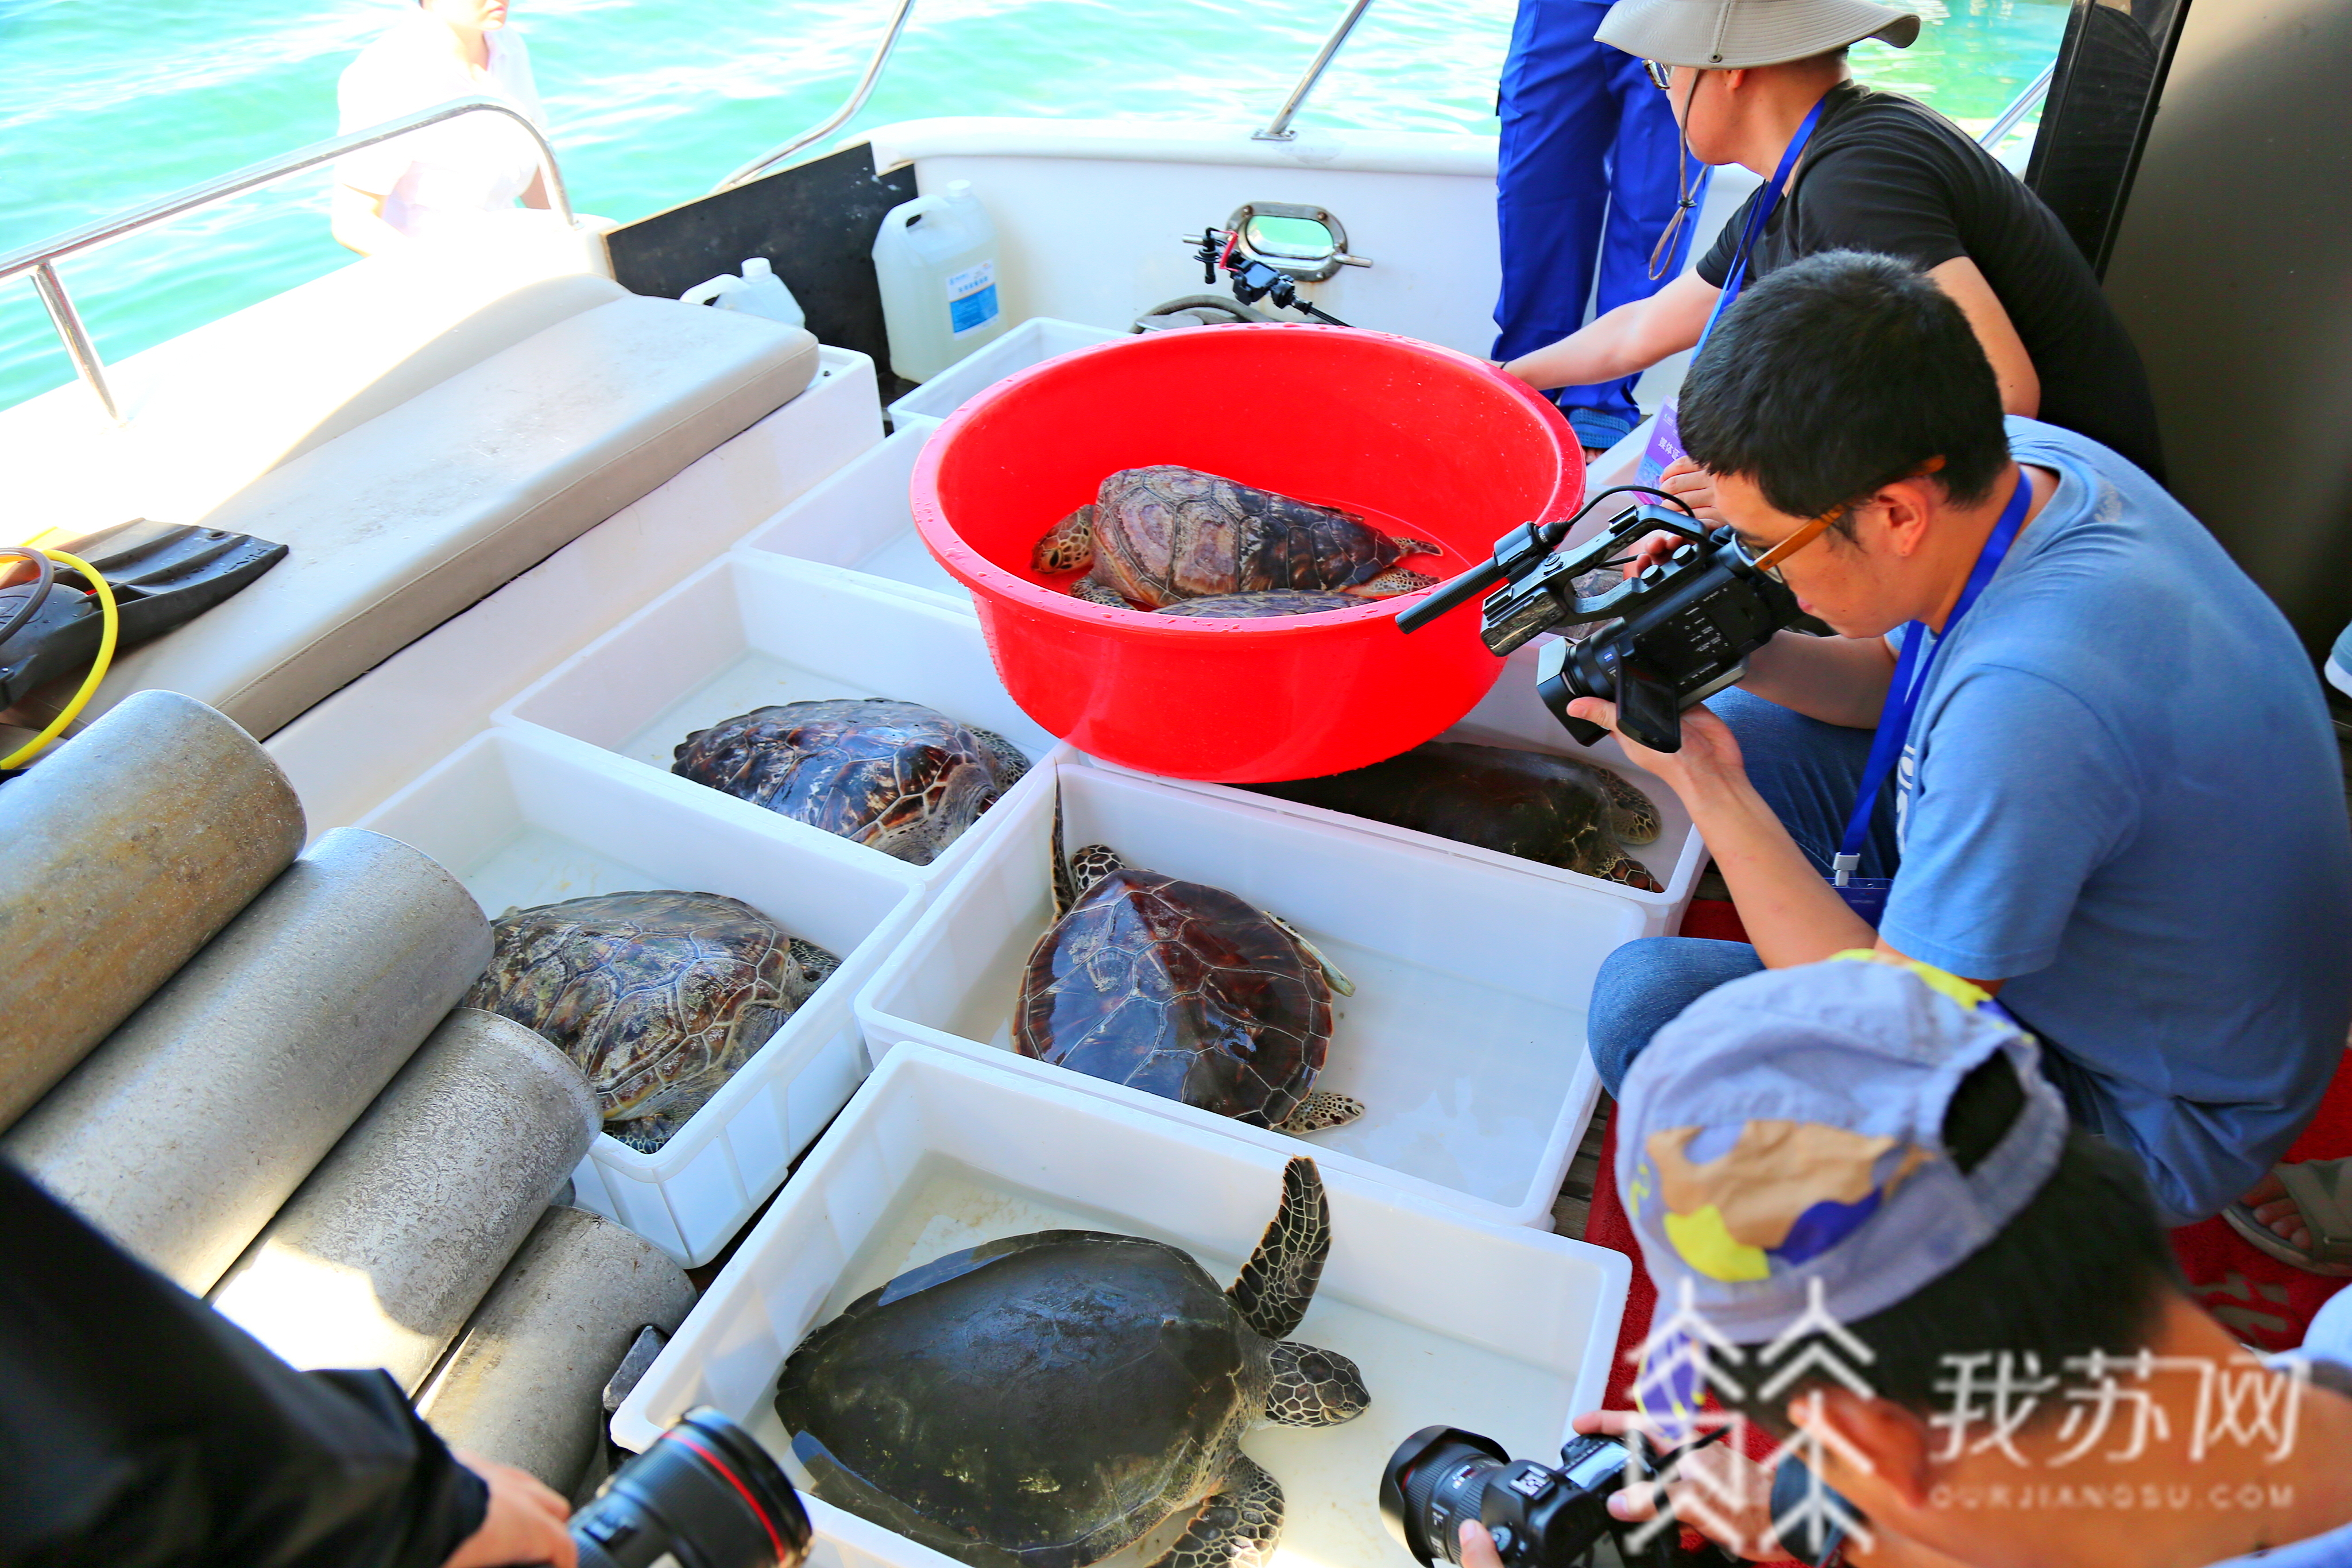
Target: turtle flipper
<point>1314,1387</point>
<point>1632,815</point>
<point>1274,1287</point>
<point>1319,1111</point>
<point>1094,592</point>
<point>1416,547</point>
<point>1011,765</point>
<point>1627,872</point>
<point>1237,1526</point>
<point>1390,583</point>
<point>1066,893</point>
<point>1068,545</point>
<point>1333,976</point>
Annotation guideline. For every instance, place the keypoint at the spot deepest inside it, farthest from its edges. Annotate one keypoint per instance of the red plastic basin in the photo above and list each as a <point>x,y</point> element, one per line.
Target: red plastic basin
<point>1420,439</point>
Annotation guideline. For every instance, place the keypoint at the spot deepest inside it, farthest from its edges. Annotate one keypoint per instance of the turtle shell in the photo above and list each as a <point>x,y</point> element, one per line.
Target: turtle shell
<point>896,776</point>
<point>1179,989</point>
<point>1043,1400</point>
<point>1168,533</point>
<point>1261,606</point>
<point>1556,810</point>
<point>658,995</point>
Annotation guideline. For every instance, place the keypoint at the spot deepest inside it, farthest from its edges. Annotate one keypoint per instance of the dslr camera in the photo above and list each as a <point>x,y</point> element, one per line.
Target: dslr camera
<point>1540,1516</point>
<point>704,1494</point>
<point>1683,627</point>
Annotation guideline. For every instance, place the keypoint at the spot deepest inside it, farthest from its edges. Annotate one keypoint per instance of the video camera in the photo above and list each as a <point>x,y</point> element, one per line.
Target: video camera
<point>1539,1516</point>
<point>1685,625</point>
<point>703,1495</point>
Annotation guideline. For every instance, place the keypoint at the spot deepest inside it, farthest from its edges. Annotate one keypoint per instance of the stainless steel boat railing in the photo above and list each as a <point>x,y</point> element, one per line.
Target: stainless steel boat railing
<point>40,259</point>
<point>2018,108</point>
<point>1278,128</point>
<point>831,123</point>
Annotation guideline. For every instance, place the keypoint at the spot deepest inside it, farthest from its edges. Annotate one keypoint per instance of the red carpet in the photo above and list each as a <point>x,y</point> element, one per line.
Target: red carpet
<point>2263,1302</point>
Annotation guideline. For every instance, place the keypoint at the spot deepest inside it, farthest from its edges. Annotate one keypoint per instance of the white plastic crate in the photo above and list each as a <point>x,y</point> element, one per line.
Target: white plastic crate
<point>751,630</point>
<point>1512,715</point>
<point>1465,1038</point>
<point>522,823</point>
<point>862,520</point>
<point>1036,341</point>
<point>1501,1330</point>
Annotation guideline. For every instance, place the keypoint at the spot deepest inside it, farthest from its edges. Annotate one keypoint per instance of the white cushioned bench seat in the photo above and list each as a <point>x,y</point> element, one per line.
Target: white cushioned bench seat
<point>403,520</point>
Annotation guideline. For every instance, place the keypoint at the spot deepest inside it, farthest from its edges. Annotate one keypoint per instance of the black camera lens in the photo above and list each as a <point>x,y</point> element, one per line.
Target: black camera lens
<point>1433,1482</point>
<point>705,1495</point>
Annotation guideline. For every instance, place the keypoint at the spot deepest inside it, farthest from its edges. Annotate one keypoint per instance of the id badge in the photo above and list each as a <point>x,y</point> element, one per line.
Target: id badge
<point>1866,896</point>
<point>1665,446</point>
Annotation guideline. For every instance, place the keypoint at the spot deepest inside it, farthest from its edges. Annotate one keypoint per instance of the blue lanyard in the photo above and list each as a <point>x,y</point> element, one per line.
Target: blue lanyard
<point>1911,679</point>
<point>1766,200</point>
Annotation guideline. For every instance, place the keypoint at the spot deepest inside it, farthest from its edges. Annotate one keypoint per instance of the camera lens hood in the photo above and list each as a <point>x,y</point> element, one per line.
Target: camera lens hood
<point>1400,1512</point>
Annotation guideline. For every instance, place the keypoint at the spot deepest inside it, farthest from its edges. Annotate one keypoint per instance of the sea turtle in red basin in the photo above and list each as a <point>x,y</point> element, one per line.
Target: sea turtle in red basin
<point>1183,990</point>
<point>1155,535</point>
<point>1263,606</point>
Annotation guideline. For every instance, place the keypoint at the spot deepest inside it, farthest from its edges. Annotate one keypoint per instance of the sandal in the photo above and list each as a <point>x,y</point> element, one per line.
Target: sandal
<point>2322,1191</point>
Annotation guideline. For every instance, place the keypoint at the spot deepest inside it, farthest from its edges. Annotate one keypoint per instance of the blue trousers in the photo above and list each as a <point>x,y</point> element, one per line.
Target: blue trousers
<point>1585,176</point>
<point>1809,773</point>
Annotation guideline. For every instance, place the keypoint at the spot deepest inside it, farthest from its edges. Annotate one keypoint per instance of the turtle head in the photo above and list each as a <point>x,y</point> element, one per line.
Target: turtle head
<point>1090,865</point>
<point>1314,1387</point>
<point>1068,545</point>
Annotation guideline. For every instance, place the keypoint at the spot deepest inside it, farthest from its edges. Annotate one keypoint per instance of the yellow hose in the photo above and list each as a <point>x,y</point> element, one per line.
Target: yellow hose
<point>109,624</point>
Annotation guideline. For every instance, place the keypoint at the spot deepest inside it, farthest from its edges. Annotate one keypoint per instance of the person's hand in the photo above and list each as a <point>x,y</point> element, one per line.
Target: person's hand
<point>1709,754</point>
<point>1693,484</point>
<point>1477,1546</point>
<point>1718,1491</point>
<point>525,1522</point>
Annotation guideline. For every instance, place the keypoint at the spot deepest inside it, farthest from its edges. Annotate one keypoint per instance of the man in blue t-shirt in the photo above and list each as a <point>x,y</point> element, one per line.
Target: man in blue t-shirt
<point>2119,802</point>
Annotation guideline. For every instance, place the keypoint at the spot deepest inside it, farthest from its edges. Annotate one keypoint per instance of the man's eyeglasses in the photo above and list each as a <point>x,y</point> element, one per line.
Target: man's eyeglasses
<point>1768,561</point>
<point>1660,77</point>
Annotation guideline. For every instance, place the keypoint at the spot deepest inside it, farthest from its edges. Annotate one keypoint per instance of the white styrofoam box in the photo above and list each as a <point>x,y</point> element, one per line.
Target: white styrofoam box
<point>523,823</point>
<point>1498,1329</point>
<point>861,520</point>
<point>1512,715</point>
<point>1464,1038</point>
<point>1032,342</point>
<point>751,630</point>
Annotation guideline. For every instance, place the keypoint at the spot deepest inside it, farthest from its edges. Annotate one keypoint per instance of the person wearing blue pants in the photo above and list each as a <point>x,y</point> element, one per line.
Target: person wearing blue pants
<point>2069,674</point>
<point>1585,176</point>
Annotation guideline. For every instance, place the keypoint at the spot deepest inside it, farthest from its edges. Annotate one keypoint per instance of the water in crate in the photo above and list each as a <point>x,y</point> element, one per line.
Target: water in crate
<point>1416,1374</point>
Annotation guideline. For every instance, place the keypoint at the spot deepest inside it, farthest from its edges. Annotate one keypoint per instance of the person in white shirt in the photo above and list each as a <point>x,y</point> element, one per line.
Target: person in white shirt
<point>442,180</point>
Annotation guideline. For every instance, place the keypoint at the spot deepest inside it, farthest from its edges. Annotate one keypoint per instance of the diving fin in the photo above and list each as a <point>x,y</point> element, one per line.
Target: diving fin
<point>163,575</point>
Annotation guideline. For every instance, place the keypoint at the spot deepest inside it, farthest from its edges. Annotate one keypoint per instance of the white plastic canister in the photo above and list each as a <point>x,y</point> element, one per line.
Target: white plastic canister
<point>936,259</point>
<point>758,292</point>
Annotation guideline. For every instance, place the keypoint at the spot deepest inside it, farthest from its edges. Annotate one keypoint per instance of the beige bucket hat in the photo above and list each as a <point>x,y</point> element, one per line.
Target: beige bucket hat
<point>1726,34</point>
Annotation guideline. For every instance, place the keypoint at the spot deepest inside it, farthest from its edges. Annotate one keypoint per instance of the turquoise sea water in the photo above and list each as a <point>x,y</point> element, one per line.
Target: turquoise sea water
<point>108,103</point>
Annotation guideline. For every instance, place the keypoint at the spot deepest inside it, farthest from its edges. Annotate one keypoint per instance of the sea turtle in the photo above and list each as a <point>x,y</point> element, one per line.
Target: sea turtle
<point>658,995</point>
<point>1183,990</point>
<point>1539,806</point>
<point>1154,536</point>
<point>1259,606</point>
<point>1045,1400</point>
<point>896,776</point>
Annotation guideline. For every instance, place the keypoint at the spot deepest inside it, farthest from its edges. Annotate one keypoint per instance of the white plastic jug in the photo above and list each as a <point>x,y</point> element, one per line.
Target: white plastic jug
<point>758,292</point>
<point>936,259</point>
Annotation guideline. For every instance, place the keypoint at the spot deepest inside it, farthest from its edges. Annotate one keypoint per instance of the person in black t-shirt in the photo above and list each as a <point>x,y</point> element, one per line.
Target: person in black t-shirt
<point>138,1427</point>
<point>1881,174</point>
